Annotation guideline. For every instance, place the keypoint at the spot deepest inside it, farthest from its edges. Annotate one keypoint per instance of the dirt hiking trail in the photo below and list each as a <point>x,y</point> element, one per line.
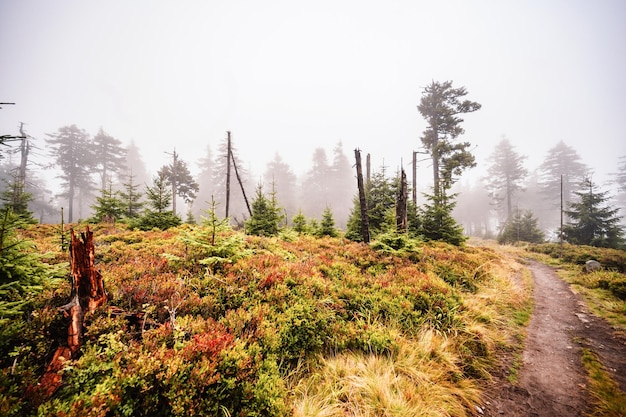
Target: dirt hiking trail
<point>551,379</point>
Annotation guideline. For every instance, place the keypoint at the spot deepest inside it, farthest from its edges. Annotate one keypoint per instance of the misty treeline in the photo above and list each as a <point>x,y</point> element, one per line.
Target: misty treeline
<point>100,174</point>
<point>102,179</point>
<point>561,188</point>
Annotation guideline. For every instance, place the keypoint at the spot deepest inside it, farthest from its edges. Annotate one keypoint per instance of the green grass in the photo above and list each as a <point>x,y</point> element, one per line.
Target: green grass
<point>513,375</point>
<point>608,399</point>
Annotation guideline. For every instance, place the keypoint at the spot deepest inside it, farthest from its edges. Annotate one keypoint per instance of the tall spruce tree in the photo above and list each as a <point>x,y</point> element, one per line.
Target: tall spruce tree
<point>593,222</point>
<point>283,180</point>
<point>619,179</point>
<point>506,176</point>
<point>110,157</point>
<point>180,179</point>
<point>136,165</point>
<point>205,177</point>
<point>316,185</point>
<point>561,162</point>
<point>342,180</point>
<point>72,152</point>
<point>442,106</point>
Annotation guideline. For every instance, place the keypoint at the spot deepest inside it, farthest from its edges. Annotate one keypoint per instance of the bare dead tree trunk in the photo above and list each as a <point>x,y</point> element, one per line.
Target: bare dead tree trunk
<point>245,198</point>
<point>368,167</point>
<point>21,179</point>
<point>414,191</point>
<point>228,157</point>
<point>174,178</point>
<point>87,295</point>
<point>365,226</point>
<point>401,202</point>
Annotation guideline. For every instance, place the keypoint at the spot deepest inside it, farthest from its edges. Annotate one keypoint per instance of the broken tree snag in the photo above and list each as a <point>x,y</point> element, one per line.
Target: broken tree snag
<point>87,295</point>
<point>86,280</point>
<point>365,224</point>
<point>401,204</point>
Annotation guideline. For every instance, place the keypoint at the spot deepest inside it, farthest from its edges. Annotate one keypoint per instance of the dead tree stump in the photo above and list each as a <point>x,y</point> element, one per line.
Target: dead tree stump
<point>87,295</point>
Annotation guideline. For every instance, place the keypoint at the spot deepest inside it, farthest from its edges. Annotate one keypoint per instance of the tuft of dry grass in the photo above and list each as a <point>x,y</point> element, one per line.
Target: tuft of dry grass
<point>421,379</point>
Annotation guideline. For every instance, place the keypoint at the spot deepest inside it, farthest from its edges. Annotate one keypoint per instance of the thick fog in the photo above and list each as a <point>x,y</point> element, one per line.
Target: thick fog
<point>290,78</point>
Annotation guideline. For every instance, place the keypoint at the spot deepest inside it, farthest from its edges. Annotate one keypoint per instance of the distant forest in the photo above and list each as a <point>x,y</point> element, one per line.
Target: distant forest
<point>88,165</point>
<point>101,179</point>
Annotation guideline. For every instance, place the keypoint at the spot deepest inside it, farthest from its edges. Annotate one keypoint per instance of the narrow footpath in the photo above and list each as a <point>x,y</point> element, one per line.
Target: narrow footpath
<point>552,381</point>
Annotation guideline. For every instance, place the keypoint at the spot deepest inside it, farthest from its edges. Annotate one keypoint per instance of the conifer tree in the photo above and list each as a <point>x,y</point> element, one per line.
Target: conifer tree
<point>73,155</point>
<point>521,228</point>
<point>266,215</point>
<point>110,156</point>
<point>414,220</point>
<point>438,223</point>
<point>131,198</point>
<point>109,206</point>
<point>506,174</point>
<point>342,179</point>
<point>213,222</point>
<point>380,195</point>
<point>593,222</point>
<point>283,181</point>
<point>190,219</point>
<point>22,273</point>
<point>159,199</point>
<point>205,178</point>
<point>327,225</point>
<point>180,179</point>
<point>442,105</point>
<point>381,202</point>
<point>299,223</point>
<point>15,199</point>
<point>561,171</point>
<point>619,179</point>
<point>159,196</point>
<point>316,185</point>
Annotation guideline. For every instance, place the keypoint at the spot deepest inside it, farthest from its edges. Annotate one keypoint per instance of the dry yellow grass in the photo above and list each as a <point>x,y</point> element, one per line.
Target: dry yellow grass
<point>420,380</point>
<point>424,378</point>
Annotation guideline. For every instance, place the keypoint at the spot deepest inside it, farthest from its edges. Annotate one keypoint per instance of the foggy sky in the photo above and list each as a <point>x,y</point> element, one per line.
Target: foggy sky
<point>290,76</point>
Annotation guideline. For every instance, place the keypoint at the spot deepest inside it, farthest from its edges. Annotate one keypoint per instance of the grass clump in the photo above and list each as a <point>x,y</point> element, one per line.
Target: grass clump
<point>421,379</point>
